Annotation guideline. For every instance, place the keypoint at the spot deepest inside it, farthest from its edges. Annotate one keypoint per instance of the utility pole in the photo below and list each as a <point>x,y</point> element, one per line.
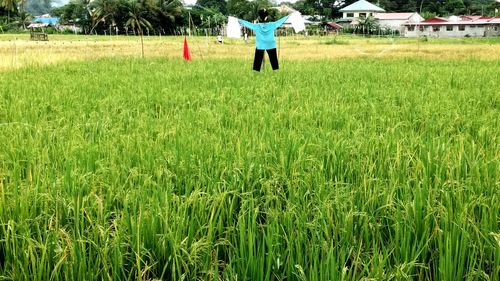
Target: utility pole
<point>189,22</point>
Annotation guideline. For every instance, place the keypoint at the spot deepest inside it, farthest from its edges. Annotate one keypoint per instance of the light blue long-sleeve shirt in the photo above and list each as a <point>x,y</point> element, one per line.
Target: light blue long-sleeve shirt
<point>264,32</point>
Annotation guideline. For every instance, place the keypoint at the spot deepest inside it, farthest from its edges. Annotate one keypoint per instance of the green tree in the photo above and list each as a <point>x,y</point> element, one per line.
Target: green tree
<point>100,15</point>
<point>104,13</point>
<point>247,10</point>
<point>10,6</point>
<point>454,7</point>
<point>169,8</point>
<point>305,7</point>
<point>137,21</point>
<point>209,17</point>
<point>239,9</point>
<point>75,12</point>
<point>254,7</point>
<point>430,6</point>
<point>480,7</point>
<point>23,19</point>
<point>3,23</point>
<point>428,15</point>
<point>217,5</point>
<point>367,25</point>
<point>165,13</point>
<point>398,5</point>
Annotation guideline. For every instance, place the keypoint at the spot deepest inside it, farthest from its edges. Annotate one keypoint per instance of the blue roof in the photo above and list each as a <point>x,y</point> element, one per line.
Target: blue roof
<point>362,6</point>
<point>47,20</point>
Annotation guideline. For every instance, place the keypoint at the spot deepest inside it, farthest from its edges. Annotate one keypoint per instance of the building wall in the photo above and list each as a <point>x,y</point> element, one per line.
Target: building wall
<point>392,24</point>
<point>416,18</point>
<point>493,30</point>
<point>441,31</point>
<point>398,24</point>
<point>356,14</point>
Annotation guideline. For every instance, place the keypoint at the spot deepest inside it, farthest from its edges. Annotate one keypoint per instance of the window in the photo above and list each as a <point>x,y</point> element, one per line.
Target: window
<point>436,28</point>
<point>362,15</point>
<point>461,27</point>
<point>421,28</point>
<point>472,26</point>
<point>411,28</point>
<point>449,28</point>
<point>350,15</point>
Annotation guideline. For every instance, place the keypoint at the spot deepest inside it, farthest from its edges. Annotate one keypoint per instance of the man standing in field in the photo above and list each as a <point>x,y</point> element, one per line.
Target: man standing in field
<point>264,39</point>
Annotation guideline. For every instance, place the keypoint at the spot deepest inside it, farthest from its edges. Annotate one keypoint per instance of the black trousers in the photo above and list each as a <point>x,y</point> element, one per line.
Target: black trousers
<point>259,56</point>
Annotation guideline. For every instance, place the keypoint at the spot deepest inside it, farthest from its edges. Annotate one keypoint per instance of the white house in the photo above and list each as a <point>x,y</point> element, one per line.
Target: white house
<point>397,21</point>
<point>463,26</point>
<point>360,9</point>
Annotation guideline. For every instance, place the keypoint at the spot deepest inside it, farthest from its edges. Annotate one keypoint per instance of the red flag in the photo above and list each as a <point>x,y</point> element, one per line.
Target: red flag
<point>186,55</point>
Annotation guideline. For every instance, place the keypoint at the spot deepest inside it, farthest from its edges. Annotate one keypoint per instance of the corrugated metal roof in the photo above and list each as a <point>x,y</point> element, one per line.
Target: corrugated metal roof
<point>434,20</point>
<point>462,20</point>
<point>394,16</point>
<point>334,25</point>
<point>46,20</point>
<point>470,18</point>
<point>362,6</point>
<point>34,25</point>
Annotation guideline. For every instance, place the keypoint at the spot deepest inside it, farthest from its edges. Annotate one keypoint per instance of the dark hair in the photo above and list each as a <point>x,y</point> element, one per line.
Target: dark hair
<point>262,14</point>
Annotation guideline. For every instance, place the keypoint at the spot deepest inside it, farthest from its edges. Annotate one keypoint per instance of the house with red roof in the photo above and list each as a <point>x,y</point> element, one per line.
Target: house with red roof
<point>454,26</point>
<point>397,21</point>
<point>363,9</point>
<point>413,25</point>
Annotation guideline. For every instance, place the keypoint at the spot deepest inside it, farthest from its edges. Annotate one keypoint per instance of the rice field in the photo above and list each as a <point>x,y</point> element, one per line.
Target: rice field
<point>16,51</point>
<point>348,167</point>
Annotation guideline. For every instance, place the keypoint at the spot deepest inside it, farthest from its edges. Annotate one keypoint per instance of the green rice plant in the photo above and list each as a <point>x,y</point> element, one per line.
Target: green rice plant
<point>351,169</point>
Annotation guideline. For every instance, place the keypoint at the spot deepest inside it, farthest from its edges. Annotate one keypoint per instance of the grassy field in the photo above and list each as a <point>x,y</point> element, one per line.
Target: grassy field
<point>17,51</point>
<point>340,168</point>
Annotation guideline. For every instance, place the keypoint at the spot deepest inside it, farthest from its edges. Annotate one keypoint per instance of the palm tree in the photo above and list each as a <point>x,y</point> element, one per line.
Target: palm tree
<point>23,19</point>
<point>169,8</point>
<point>104,10</point>
<point>2,24</point>
<point>164,12</point>
<point>368,25</point>
<point>9,6</point>
<point>211,17</point>
<point>22,5</point>
<point>137,21</point>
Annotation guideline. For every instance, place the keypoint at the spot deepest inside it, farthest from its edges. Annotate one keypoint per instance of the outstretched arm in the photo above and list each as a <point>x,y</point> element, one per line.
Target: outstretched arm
<point>279,22</point>
<point>247,24</point>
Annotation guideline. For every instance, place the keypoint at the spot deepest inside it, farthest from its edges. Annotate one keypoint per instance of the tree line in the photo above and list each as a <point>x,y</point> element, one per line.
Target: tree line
<point>172,17</point>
